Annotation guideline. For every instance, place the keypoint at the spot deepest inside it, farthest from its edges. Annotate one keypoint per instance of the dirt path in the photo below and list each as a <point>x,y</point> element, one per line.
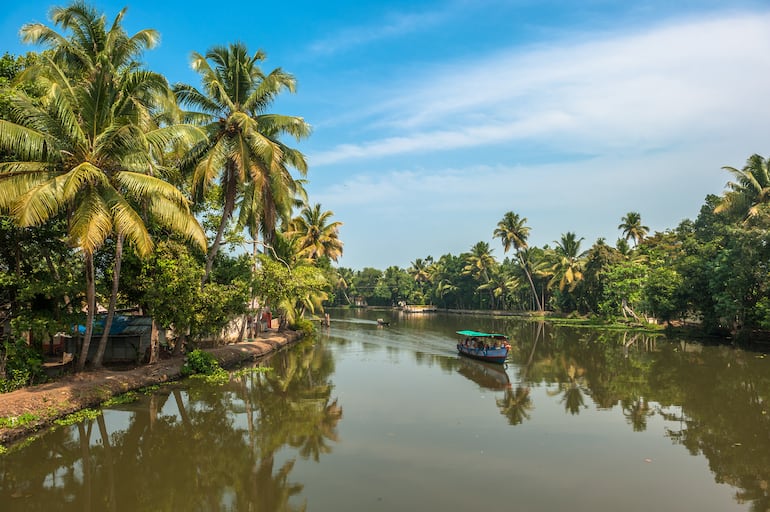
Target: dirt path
<point>53,400</point>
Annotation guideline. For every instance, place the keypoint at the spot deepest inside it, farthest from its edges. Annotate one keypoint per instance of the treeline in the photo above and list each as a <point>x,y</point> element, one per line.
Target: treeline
<point>712,271</point>
<point>119,190</point>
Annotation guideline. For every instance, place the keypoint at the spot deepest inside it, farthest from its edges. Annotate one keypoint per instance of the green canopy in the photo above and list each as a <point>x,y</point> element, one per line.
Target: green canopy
<point>476,334</point>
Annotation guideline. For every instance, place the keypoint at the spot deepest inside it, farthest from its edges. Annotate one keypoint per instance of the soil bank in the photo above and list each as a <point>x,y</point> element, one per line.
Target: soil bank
<point>53,400</point>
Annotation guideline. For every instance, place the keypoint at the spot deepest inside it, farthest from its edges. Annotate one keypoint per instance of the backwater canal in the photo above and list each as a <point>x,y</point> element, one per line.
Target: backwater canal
<point>364,417</point>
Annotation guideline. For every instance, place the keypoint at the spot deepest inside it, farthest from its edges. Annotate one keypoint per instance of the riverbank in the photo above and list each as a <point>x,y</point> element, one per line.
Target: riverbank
<point>26,411</point>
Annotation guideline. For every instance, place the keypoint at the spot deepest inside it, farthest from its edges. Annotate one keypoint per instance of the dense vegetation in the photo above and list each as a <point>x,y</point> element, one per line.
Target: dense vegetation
<point>119,191</point>
<point>712,271</point>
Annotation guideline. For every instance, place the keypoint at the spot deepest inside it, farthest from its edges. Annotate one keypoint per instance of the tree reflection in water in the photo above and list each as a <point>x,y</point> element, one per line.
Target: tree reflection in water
<point>714,400</point>
<point>208,448</point>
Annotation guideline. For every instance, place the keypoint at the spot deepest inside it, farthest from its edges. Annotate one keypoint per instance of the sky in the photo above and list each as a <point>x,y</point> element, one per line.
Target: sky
<point>432,119</point>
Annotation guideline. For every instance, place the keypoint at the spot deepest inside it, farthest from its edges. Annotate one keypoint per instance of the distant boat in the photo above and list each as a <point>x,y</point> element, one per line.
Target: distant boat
<point>484,346</point>
<point>380,321</point>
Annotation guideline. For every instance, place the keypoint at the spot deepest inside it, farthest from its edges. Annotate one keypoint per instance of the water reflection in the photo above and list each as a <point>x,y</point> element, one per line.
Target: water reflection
<point>569,411</point>
<point>200,447</point>
<point>715,399</point>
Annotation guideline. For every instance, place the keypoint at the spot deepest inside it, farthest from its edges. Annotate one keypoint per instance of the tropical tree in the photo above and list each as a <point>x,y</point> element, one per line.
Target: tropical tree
<point>568,265</point>
<point>632,227</point>
<point>479,263</point>
<point>89,145</point>
<point>501,284</point>
<point>243,149</point>
<point>749,194</point>
<point>513,232</point>
<point>317,236</point>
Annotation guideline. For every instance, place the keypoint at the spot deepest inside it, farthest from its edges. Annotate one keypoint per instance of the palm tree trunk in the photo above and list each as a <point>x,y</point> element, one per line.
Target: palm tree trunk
<point>226,213</point>
<point>90,308</point>
<point>531,283</point>
<point>111,307</point>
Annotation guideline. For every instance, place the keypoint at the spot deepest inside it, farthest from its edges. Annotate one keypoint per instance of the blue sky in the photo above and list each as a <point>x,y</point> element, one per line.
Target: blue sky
<point>432,119</point>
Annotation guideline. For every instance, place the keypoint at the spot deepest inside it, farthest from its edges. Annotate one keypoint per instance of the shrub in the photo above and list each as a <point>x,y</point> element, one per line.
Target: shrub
<point>200,362</point>
<point>20,365</point>
<point>305,326</point>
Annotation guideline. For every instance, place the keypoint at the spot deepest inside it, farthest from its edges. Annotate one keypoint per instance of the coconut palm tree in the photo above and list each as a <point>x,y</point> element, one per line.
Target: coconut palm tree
<point>749,194</point>
<point>513,232</point>
<point>632,227</point>
<point>88,147</point>
<point>317,236</point>
<point>479,265</point>
<point>243,150</point>
<point>568,266</point>
<point>500,284</point>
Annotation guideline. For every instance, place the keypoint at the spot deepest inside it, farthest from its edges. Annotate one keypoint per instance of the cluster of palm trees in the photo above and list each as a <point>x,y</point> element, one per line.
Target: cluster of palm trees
<point>711,270</point>
<point>108,145</point>
<point>476,279</point>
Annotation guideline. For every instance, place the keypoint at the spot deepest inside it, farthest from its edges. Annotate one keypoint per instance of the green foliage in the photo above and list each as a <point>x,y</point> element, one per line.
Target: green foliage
<point>77,417</point>
<point>218,305</point>
<point>20,366</point>
<point>624,285</point>
<point>291,290</point>
<point>19,421</point>
<point>200,362</point>
<point>125,398</point>
<point>305,326</point>
<point>218,377</point>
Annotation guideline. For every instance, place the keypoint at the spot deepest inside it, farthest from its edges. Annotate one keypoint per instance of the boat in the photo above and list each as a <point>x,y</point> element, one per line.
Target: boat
<point>381,321</point>
<point>484,346</point>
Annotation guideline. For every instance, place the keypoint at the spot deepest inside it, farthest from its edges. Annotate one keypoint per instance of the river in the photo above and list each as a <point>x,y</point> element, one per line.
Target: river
<point>365,417</point>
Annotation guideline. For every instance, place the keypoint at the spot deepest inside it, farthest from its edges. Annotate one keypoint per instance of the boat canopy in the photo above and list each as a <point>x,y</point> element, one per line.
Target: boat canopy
<point>476,334</point>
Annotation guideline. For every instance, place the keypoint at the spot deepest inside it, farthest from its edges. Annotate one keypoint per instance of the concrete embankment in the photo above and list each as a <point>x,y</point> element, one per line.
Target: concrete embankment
<point>26,411</point>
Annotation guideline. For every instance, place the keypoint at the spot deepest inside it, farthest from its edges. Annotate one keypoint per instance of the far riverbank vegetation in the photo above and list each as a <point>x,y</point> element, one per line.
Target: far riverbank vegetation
<point>121,193</point>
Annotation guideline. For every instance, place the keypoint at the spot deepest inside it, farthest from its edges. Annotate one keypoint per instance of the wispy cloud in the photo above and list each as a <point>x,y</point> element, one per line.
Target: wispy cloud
<point>392,25</point>
<point>676,82</point>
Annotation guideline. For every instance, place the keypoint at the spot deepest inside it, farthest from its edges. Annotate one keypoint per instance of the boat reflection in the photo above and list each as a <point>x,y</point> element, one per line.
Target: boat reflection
<point>486,375</point>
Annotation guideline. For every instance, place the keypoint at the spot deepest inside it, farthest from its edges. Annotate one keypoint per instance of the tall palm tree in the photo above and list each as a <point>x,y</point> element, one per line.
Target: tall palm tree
<point>749,194</point>
<point>479,265</point>
<point>632,227</point>
<point>243,150</point>
<point>88,146</point>
<point>513,232</point>
<point>318,237</point>
<point>568,264</point>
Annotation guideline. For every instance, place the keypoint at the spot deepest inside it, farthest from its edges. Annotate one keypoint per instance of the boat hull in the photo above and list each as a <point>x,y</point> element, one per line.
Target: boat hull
<point>490,355</point>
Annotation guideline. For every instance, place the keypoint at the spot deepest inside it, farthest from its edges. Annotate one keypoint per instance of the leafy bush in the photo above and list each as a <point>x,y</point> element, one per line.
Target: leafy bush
<point>20,366</point>
<point>304,325</point>
<point>200,362</point>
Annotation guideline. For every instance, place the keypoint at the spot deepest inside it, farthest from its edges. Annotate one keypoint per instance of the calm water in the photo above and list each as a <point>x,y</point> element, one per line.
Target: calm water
<point>366,418</point>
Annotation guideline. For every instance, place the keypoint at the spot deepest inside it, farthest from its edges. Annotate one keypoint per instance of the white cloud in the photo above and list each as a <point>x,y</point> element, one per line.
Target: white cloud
<point>695,80</point>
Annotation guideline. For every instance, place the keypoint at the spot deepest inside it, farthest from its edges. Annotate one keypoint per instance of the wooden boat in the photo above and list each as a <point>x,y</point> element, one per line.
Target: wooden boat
<point>484,346</point>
